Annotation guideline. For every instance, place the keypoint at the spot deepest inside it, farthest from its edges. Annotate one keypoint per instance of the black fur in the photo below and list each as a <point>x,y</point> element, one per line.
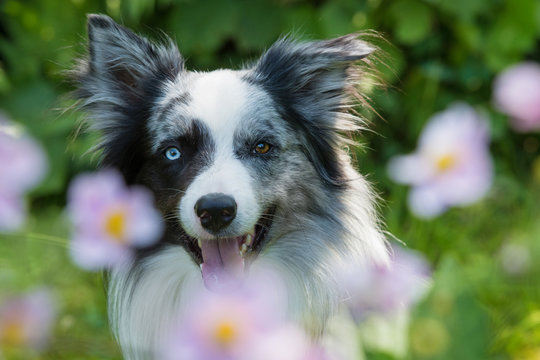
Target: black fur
<point>168,180</point>
<point>309,84</point>
<point>118,83</point>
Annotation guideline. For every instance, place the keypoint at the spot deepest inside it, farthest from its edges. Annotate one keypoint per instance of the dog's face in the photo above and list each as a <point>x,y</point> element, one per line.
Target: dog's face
<point>226,153</point>
<point>217,151</point>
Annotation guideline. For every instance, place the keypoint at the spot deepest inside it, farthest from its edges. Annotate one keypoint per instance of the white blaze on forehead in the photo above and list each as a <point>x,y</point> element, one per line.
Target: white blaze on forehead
<point>219,99</point>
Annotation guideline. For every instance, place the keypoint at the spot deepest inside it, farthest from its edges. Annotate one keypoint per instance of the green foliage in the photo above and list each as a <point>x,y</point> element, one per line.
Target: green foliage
<point>438,52</point>
<point>414,27</point>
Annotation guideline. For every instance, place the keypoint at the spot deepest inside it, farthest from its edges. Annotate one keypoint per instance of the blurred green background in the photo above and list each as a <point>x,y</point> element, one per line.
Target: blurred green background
<point>437,52</point>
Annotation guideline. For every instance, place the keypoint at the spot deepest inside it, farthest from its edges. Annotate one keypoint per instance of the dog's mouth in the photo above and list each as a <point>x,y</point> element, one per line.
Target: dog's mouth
<point>224,261</point>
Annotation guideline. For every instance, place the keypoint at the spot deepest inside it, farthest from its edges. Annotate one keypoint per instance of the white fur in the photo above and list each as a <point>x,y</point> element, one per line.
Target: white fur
<point>219,101</point>
<point>141,320</point>
<point>228,176</point>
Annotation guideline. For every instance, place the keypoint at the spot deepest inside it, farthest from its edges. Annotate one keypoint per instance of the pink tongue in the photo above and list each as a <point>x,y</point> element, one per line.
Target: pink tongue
<point>223,266</point>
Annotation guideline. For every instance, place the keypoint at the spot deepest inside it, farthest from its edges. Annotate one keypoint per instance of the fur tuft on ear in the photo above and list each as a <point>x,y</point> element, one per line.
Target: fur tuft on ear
<point>117,52</point>
<point>118,84</point>
<point>315,84</point>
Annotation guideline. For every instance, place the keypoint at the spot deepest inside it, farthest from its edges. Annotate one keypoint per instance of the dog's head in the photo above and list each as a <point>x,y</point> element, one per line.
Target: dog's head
<point>226,153</point>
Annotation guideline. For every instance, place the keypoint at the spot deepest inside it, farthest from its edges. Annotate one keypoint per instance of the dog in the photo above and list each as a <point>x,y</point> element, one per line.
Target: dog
<point>247,166</point>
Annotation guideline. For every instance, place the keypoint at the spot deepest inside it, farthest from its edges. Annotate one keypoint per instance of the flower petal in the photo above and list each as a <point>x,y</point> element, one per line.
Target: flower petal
<point>516,92</point>
<point>410,169</point>
<point>97,253</point>
<point>12,212</point>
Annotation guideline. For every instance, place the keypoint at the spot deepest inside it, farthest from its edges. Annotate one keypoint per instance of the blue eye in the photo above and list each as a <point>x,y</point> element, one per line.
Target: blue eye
<point>172,153</point>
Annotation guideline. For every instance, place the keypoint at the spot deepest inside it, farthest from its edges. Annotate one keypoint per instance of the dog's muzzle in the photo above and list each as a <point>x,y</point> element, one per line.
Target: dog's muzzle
<point>223,257</point>
<point>216,211</point>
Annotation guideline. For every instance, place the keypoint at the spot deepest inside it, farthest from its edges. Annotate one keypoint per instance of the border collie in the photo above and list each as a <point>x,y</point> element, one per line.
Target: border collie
<point>247,166</point>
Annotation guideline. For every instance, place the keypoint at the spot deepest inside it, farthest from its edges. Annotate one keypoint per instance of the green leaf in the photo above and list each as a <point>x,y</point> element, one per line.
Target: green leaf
<point>513,34</point>
<point>200,27</point>
<point>335,20</point>
<point>412,21</point>
<point>135,9</point>
<point>4,81</point>
<point>259,25</point>
<point>299,21</point>
<point>465,10</point>
<point>452,319</point>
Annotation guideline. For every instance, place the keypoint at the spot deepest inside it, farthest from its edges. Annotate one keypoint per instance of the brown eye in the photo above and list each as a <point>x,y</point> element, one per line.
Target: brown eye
<point>262,147</point>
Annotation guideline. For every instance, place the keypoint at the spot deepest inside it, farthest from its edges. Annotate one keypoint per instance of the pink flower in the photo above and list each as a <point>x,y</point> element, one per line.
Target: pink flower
<point>26,321</point>
<point>516,92</point>
<point>12,211</point>
<point>384,289</point>
<point>218,328</point>
<point>247,324</point>
<point>110,220</point>
<point>23,165</point>
<point>287,342</point>
<point>451,166</point>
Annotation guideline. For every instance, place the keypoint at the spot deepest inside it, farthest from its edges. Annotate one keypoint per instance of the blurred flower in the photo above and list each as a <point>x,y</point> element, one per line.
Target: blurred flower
<point>451,166</point>
<point>384,289</point>
<point>515,259</point>
<point>246,324</point>
<point>109,219</point>
<point>287,342</point>
<point>219,327</point>
<point>26,321</point>
<point>516,92</point>
<point>23,165</point>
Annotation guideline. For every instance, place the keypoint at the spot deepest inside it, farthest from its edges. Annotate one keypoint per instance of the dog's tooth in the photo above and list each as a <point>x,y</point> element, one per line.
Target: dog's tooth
<point>243,250</point>
<point>249,239</point>
<point>199,242</point>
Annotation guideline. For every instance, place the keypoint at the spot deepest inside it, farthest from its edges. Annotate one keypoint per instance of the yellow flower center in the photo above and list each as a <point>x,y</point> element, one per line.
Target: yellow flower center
<point>12,334</point>
<point>445,162</point>
<point>115,225</point>
<point>225,334</point>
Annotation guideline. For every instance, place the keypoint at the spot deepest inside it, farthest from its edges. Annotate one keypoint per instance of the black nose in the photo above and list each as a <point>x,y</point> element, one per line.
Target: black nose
<point>216,211</point>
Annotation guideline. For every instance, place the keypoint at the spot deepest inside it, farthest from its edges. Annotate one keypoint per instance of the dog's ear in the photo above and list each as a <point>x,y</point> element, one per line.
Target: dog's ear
<point>118,83</point>
<point>125,60</point>
<point>313,83</point>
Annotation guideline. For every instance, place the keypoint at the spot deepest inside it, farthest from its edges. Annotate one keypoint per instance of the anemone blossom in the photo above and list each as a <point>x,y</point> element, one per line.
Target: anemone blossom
<point>23,165</point>
<point>248,323</point>
<point>386,288</point>
<point>26,321</point>
<point>452,165</point>
<point>109,219</point>
<point>516,92</point>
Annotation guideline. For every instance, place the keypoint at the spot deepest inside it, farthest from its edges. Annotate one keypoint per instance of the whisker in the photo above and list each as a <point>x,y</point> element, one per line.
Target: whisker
<point>170,217</point>
<point>54,240</point>
<point>173,190</point>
